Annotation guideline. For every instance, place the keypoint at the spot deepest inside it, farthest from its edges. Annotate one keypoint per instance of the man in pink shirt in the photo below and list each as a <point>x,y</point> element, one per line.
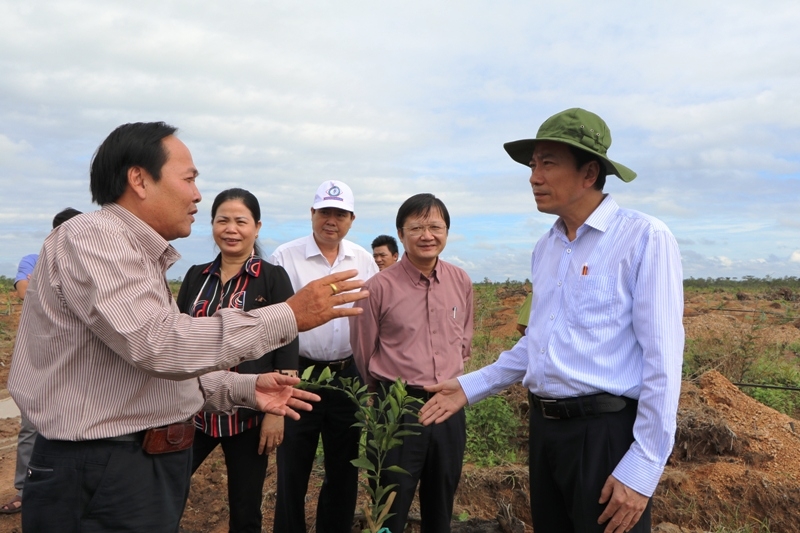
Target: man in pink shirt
<point>417,325</point>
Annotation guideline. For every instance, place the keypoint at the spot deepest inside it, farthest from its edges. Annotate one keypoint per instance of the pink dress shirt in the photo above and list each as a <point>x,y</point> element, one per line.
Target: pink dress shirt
<point>413,327</point>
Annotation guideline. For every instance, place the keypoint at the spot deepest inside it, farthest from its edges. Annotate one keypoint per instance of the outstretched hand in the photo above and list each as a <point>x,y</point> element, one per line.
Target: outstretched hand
<point>315,304</point>
<point>449,399</point>
<point>275,394</point>
<point>625,506</point>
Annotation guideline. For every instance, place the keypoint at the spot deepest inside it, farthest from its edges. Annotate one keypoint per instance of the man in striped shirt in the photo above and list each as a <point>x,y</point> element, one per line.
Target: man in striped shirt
<point>603,350</point>
<point>106,367</point>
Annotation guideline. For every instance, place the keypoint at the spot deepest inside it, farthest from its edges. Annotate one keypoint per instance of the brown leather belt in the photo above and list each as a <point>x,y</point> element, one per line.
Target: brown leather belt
<point>579,406</point>
<point>165,439</point>
<point>335,366</point>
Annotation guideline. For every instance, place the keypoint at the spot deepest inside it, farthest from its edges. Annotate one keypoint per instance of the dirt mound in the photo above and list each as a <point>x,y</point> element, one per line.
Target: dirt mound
<point>734,458</point>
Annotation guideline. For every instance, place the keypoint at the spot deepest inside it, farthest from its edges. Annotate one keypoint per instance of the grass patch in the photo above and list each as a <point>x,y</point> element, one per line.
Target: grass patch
<point>492,426</point>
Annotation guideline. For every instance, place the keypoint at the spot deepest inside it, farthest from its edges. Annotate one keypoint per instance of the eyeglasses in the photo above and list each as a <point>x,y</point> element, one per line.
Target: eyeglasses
<point>417,231</point>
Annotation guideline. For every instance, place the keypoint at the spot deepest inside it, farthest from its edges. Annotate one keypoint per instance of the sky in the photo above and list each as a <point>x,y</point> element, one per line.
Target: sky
<point>397,98</point>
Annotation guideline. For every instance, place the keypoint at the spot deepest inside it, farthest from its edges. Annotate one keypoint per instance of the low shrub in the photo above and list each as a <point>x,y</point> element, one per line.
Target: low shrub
<point>492,427</point>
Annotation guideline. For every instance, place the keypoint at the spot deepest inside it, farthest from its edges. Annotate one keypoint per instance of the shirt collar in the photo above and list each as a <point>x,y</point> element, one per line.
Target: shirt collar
<point>312,249</point>
<point>414,274</point>
<point>157,248</point>
<point>252,266</point>
<point>600,218</point>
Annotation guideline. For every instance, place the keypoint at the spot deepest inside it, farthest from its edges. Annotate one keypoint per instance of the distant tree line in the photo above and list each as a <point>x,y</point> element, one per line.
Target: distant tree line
<point>735,283</point>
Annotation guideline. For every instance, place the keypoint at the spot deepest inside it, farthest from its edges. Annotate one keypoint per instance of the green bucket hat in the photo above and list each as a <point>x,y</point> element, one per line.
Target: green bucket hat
<point>576,127</point>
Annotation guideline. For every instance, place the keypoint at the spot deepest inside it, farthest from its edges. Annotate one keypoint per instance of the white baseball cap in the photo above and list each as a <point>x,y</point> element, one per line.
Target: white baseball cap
<point>334,193</point>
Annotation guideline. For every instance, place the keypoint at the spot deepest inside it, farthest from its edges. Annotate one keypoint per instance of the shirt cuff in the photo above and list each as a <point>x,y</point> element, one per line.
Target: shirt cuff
<point>224,391</point>
<point>638,473</point>
<point>475,387</point>
<point>243,390</point>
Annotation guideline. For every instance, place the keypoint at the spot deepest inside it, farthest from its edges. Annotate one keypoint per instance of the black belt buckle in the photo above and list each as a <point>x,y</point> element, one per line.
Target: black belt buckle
<point>544,403</point>
<point>338,366</point>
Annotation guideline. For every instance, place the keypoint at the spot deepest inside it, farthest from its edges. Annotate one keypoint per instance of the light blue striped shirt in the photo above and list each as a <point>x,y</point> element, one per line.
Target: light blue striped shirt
<point>616,328</point>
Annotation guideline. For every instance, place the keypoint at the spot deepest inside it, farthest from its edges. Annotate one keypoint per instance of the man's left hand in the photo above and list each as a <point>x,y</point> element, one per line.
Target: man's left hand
<point>625,506</point>
<point>275,394</point>
<point>271,434</point>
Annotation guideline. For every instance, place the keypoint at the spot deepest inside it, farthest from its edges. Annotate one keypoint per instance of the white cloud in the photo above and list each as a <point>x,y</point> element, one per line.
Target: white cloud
<point>397,98</point>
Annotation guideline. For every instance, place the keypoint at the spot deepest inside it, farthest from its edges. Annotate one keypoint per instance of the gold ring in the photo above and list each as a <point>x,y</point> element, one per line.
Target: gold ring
<point>334,288</point>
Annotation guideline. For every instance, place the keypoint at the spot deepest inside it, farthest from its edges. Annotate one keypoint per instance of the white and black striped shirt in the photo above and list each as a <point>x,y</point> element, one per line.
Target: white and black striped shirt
<point>102,349</point>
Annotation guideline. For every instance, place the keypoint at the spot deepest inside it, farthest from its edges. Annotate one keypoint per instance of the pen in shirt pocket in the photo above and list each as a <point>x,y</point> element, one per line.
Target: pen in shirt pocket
<point>454,311</point>
<point>585,269</point>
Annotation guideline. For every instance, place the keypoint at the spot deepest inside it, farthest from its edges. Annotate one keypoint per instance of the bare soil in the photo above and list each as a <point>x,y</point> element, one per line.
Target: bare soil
<point>735,461</point>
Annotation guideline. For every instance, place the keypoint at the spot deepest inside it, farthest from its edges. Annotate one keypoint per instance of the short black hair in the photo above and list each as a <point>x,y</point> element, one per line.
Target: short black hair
<point>247,198</point>
<point>421,205</point>
<point>64,215</point>
<point>582,157</point>
<point>386,240</point>
<point>137,144</point>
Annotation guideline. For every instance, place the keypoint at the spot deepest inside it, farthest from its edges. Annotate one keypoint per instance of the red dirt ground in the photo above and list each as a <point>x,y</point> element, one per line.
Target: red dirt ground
<point>735,460</point>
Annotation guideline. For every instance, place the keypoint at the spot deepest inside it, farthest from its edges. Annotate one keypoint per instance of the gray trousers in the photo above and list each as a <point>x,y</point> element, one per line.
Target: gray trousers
<point>25,440</point>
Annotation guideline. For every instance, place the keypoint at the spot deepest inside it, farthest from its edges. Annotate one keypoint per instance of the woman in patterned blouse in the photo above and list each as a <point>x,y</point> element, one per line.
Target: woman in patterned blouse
<point>239,278</point>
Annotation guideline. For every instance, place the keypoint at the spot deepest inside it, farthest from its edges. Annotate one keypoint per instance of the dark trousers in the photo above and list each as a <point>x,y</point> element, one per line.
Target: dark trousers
<point>332,417</point>
<point>434,459</point>
<point>246,473</point>
<point>104,486</point>
<point>570,461</point>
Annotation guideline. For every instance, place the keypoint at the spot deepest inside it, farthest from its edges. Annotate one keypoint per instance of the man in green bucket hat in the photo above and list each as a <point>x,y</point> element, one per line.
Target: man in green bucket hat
<point>603,351</point>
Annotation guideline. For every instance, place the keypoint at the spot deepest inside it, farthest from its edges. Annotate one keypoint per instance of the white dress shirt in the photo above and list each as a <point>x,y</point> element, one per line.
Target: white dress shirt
<point>304,263</point>
<point>614,326</point>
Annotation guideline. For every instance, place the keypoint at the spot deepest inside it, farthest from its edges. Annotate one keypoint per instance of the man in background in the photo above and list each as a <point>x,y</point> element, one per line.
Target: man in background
<point>384,251</point>
<point>603,351</point>
<point>324,252</point>
<point>27,432</point>
<point>524,314</point>
<point>417,326</point>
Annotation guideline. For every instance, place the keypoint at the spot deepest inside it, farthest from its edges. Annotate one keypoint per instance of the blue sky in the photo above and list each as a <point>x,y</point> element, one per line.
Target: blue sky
<point>396,98</point>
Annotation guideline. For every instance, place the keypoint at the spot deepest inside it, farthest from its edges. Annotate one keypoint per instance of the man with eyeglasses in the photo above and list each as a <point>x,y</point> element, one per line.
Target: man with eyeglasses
<point>328,346</point>
<point>418,326</point>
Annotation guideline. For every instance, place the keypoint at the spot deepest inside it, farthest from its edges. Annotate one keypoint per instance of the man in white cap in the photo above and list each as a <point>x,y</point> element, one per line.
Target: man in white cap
<point>328,346</point>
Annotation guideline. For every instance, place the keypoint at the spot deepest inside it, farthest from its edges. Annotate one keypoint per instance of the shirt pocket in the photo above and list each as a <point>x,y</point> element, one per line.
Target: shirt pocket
<point>592,301</point>
<point>454,328</point>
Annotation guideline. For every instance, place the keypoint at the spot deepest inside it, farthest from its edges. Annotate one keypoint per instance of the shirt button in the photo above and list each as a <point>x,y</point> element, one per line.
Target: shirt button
<point>434,332</point>
<point>559,283</point>
<point>283,340</point>
<point>569,250</point>
<point>437,353</point>
<point>552,317</point>
<point>542,350</point>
